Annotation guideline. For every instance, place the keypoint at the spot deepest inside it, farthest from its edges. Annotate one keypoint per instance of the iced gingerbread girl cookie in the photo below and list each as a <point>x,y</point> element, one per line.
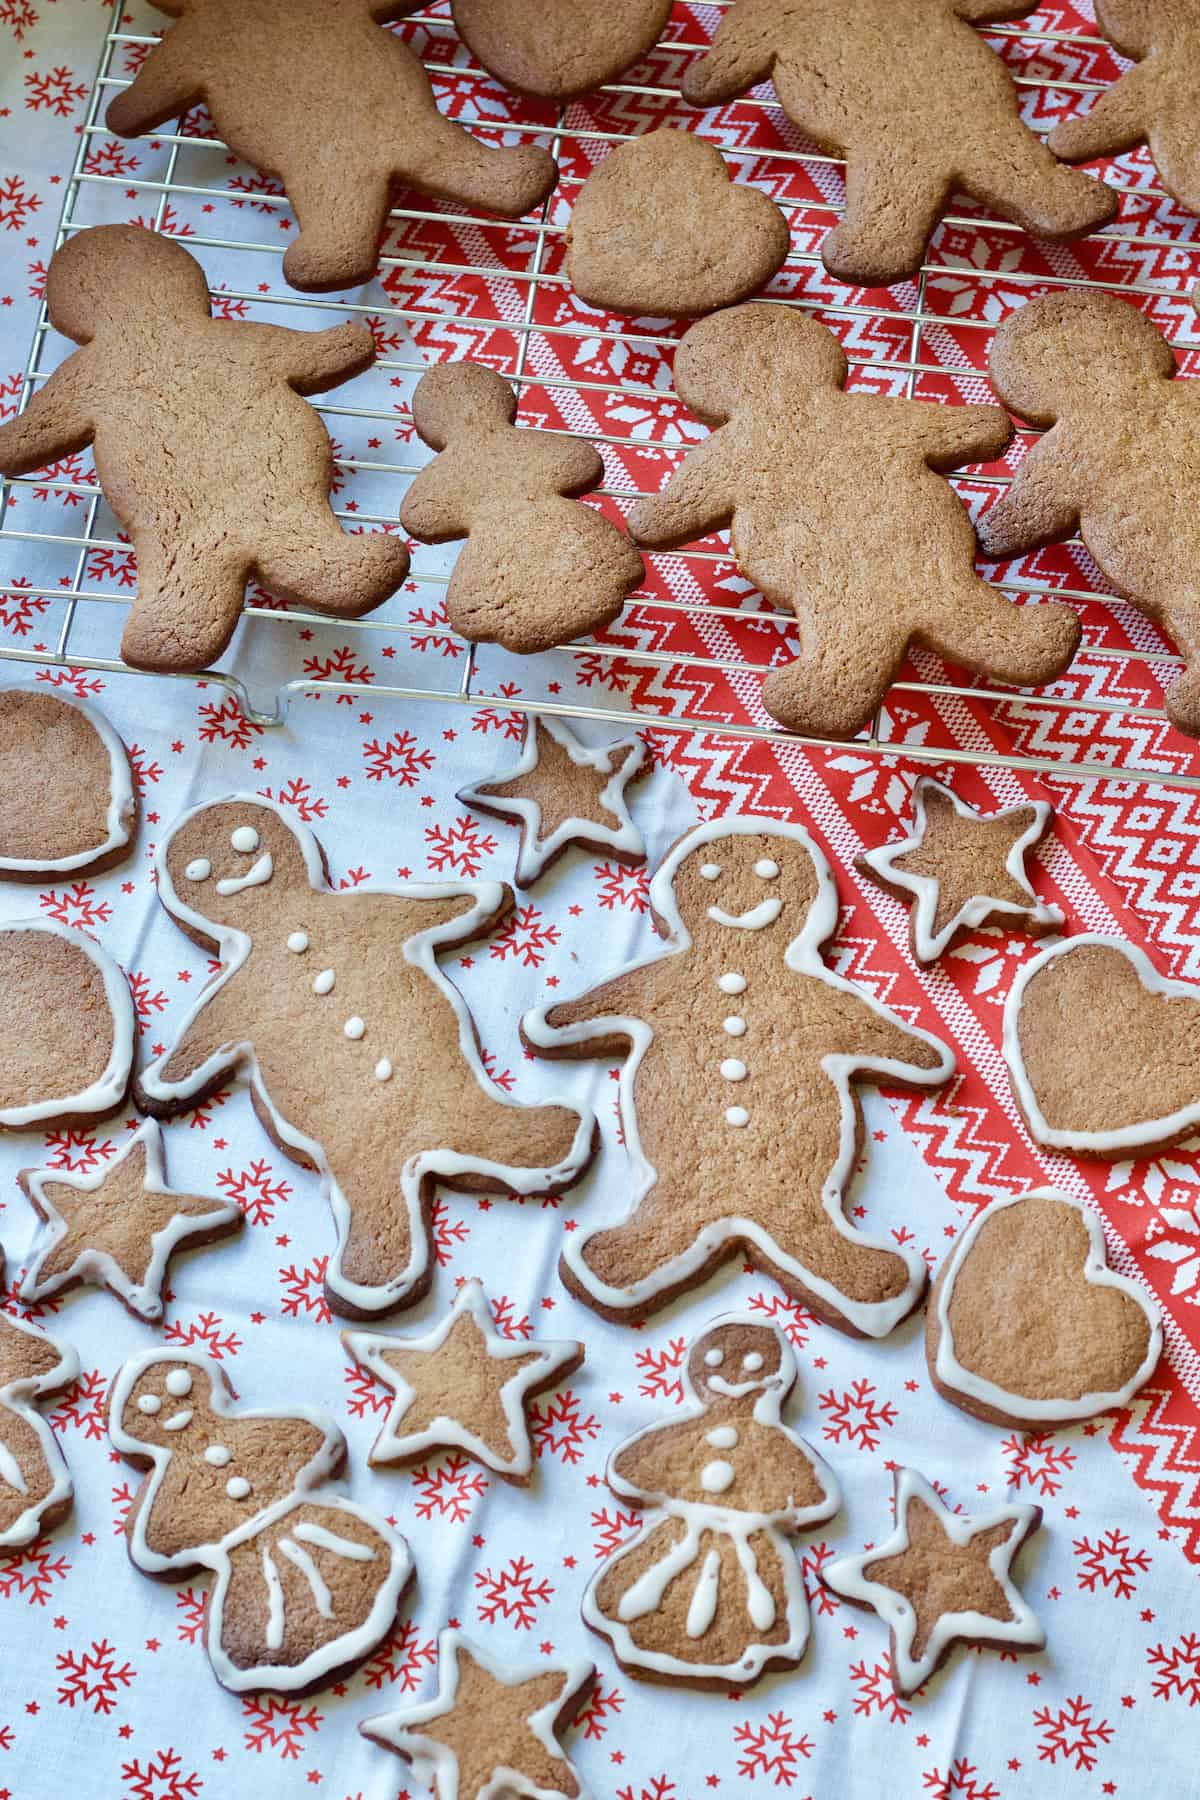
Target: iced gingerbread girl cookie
<point>361,1054</point>
<point>710,1591</point>
<point>737,1095</point>
<point>35,1487</point>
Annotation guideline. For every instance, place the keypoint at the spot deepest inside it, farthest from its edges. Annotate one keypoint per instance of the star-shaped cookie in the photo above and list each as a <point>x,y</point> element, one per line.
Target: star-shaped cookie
<point>491,1731</point>
<point>118,1227</point>
<point>562,793</point>
<point>942,1578</point>
<point>462,1386</point>
<point>960,869</point>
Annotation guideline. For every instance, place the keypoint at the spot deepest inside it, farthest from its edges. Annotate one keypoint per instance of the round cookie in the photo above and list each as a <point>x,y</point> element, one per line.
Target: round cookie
<point>67,800</point>
<point>66,1027</point>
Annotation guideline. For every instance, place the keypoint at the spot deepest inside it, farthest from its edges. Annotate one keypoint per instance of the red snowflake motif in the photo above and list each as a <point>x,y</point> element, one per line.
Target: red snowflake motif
<point>343,665</point>
<point>397,759</point>
<point>961,1782</point>
<point>226,723</point>
<point>20,611</point>
<point>354,878</point>
<point>250,185</point>
<point>367,1392</point>
<point>448,1488</point>
<point>76,906</point>
<point>204,1330</point>
<point>389,339</point>
<point>615,1528</point>
<point>11,389</point>
<point>94,1678</point>
<point>401,1660</point>
<point>510,725</point>
<point>661,1379</point>
<point>525,938</point>
<point>434,636</point>
<point>604,672</point>
<point>791,1318</point>
<point>226,307</point>
<point>445,1233</point>
<point>77,1151</point>
<point>460,849</point>
<point>812,1561</point>
<point>147,1002</point>
<point>170,224</point>
<point>81,682</point>
<point>161,1778</point>
<point>123,1498</point>
<point>145,770</point>
<point>600,1712</point>
<point>193,1604</point>
<point>512,1595</point>
<point>66,469</point>
<point>30,1574</point>
<point>298,794</point>
<point>1177,1669</point>
<point>255,1191</point>
<point>1072,1733</point>
<point>278,1724</point>
<point>1110,1563</point>
<point>82,1406</point>
<point>111,158</point>
<point>1034,1460</point>
<point>875,1692</point>
<point>856,1415</point>
<point>504,1079</point>
<point>112,565</point>
<point>201,1117</point>
<point>306,1290</point>
<point>623,886</point>
<point>56,92</point>
<point>561,1427</point>
<point>660,1788</point>
<point>771,1749</point>
<point>19,16</point>
<point>508,1322</point>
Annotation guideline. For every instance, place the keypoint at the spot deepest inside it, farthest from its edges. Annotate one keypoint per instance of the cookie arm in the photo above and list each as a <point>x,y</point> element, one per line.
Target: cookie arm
<point>992,12</point>
<point>694,502</point>
<point>56,422</point>
<point>953,435</point>
<point>1039,507</point>
<point>317,360</point>
<point>1119,119</point>
<point>869,1034</point>
<point>742,53</point>
<point>168,82</point>
<point>601,1018</point>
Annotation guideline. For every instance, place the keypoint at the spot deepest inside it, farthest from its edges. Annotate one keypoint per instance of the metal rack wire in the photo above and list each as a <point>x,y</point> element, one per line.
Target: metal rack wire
<point>532,281</point>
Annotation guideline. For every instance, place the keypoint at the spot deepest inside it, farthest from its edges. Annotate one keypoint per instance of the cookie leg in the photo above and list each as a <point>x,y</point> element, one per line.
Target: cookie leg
<point>1024,182</point>
<point>833,689</point>
<point>317,564</point>
<point>649,1246</point>
<point>889,217</point>
<point>188,604</point>
<point>1024,645</point>
<point>1182,619</point>
<point>342,213</point>
<point>440,158</point>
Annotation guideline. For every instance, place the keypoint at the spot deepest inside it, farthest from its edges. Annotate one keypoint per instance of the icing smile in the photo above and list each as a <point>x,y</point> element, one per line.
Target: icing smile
<point>765,913</point>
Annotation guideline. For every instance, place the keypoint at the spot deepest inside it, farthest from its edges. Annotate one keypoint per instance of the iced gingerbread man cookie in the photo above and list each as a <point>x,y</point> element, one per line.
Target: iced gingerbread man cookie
<point>66,1027</point>
<point>35,1487</point>
<point>67,800</point>
<point>361,1054</point>
<point>308,1584</point>
<point>709,1591</point>
<point>737,1095</point>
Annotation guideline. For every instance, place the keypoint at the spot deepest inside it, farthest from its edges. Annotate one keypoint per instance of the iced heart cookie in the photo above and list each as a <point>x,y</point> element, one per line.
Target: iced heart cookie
<point>118,1227</point>
<point>361,1053</point>
<point>67,803</point>
<point>559,49</point>
<point>491,1732</point>
<point>319,94</point>
<point>919,106</point>
<point>942,1578</point>
<point>205,449</point>
<point>1027,1324</point>
<point>35,1487</point>
<point>1103,1052</point>
<point>307,1583</point>
<point>537,569</point>
<point>462,1386</point>
<point>790,446</point>
<point>959,869</point>
<point>66,1027</point>
<point>661,228</point>
<point>737,1095</point>
<point>563,793</point>
<point>709,1591</point>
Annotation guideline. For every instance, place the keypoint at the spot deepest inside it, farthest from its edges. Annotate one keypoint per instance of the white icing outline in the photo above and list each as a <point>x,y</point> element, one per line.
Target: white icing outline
<point>734,1523</point>
<point>534,855</point>
<point>233,947</point>
<point>436,1764</point>
<point>952,1374</point>
<point>19,1396</point>
<point>845,1576</point>
<point>121,813</point>
<point>108,1091</point>
<point>929,944</point>
<point>803,954</point>
<point>98,1268</point>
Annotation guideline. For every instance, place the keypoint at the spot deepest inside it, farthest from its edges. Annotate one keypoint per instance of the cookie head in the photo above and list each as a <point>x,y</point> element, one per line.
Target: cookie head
<point>735,1358</point>
<point>112,276</point>
<point>1071,350</point>
<point>229,861</point>
<point>461,400</point>
<point>170,1395</point>
<point>756,882</point>
<point>737,359</point>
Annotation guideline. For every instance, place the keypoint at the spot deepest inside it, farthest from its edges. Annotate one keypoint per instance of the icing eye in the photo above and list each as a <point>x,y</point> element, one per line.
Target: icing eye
<point>753,1362</point>
<point>149,1403</point>
<point>200,870</point>
<point>244,839</point>
<point>710,871</point>
<point>179,1383</point>
<point>766,869</point>
<point>713,1358</point>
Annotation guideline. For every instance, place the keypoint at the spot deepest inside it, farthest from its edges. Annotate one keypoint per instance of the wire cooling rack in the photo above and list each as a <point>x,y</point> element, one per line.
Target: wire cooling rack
<point>924,339</point>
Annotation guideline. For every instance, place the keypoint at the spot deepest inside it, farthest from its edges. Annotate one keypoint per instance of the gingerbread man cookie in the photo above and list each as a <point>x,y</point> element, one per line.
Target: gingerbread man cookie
<point>960,870</point>
<point>737,1097</point>
<point>66,1027</point>
<point>35,1486</point>
<point>919,106</point>
<point>361,1054</point>
<point>537,569</point>
<point>318,94</point>
<point>942,1578</point>
<point>1122,438</point>
<point>559,49</point>
<point>308,1584</point>
<point>67,801</point>
<point>1154,103</point>
<point>867,581</point>
<point>709,1591</point>
<point>204,447</point>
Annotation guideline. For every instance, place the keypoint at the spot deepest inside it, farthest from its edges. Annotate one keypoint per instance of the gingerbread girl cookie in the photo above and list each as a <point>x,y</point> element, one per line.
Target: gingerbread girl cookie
<point>307,1583</point>
<point>737,1097</point>
<point>709,1591</point>
<point>35,1487</point>
<point>537,569</point>
<point>361,1054</point>
<point>919,106</point>
<point>865,582</point>
<point>66,1027</point>
<point>318,94</point>
<point>559,49</point>
<point>67,800</point>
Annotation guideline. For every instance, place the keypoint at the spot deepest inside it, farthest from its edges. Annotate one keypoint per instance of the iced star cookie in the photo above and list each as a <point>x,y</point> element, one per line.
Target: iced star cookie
<point>35,1486</point>
<point>118,1227</point>
<point>959,869</point>
<point>737,1095</point>
<point>1028,1326</point>
<point>491,1732</point>
<point>66,1027</point>
<point>559,49</point>
<point>462,1386</point>
<point>307,1583</point>
<point>709,1591</point>
<point>563,793</point>
<point>67,801</point>
<point>361,1054</point>
<point>941,1579</point>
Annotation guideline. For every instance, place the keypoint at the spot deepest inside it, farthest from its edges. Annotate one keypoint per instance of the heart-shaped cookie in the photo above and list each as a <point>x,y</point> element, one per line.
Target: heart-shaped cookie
<point>1103,1052</point>
<point>1027,1324</point>
<point>660,229</point>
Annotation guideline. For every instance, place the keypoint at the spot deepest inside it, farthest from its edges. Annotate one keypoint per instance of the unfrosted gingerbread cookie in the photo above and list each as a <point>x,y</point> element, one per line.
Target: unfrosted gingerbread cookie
<point>35,1485</point>
<point>942,1578</point>
<point>67,801</point>
<point>318,94</point>
<point>204,447</point>
<point>660,228</point>
<point>537,569</point>
<point>559,49</point>
<point>959,870</point>
<point>1027,1324</point>
<point>865,579</point>
<point>66,1027</point>
<point>737,1095</point>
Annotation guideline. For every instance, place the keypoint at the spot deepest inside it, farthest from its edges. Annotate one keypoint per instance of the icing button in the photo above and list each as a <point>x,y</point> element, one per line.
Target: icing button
<point>733,1070</point>
<point>732,983</point>
<point>354,1028</point>
<point>736,1115</point>
<point>218,1456</point>
<point>237,1487</point>
<point>734,1026</point>
<point>383,1069</point>
<point>297,942</point>
<point>324,982</point>
<point>716,1477</point>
